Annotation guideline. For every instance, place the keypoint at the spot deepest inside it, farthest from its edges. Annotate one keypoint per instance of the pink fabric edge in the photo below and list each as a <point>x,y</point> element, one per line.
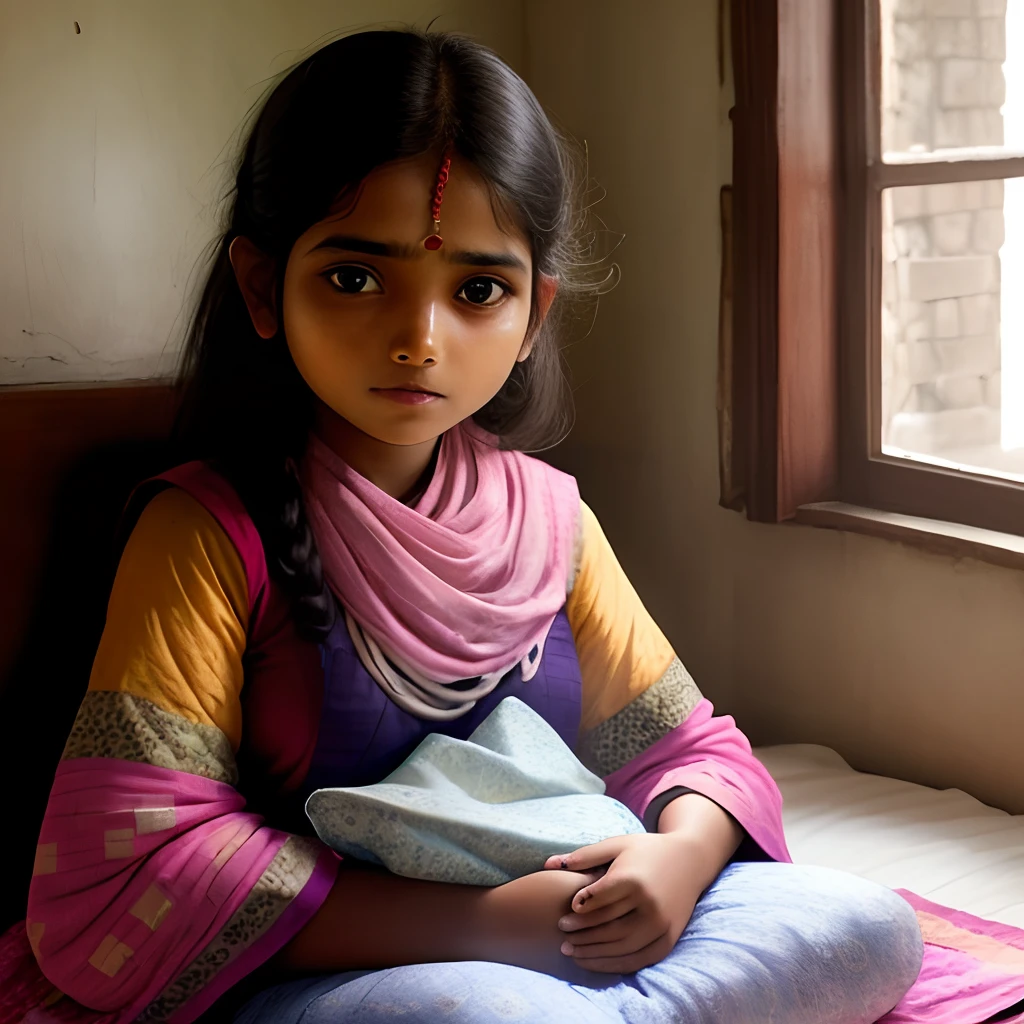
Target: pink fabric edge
<point>193,788</point>
<point>1004,933</point>
<point>295,916</point>
<point>772,844</point>
<point>1001,992</point>
<point>927,1002</point>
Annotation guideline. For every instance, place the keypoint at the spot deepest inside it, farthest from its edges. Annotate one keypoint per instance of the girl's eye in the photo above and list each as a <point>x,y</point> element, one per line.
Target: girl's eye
<point>483,291</point>
<point>353,280</point>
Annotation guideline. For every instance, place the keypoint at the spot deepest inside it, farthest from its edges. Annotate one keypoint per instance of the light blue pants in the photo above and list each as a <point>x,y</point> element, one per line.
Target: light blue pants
<point>767,944</point>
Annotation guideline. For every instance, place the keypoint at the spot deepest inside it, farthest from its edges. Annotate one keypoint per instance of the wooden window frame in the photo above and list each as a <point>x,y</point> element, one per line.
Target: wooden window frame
<point>781,408</point>
<point>805,269</point>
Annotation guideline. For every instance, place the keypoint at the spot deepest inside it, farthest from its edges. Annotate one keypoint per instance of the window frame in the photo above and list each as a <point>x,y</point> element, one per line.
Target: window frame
<point>781,400</point>
<point>806,267</point>
<point>868,476</point>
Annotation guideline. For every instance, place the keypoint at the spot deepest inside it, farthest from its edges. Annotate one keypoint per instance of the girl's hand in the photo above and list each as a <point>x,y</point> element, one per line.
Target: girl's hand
<point>632,916</point>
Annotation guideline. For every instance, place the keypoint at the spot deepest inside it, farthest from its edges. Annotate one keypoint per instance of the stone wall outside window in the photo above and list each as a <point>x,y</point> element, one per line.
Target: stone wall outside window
<point>944,88</point>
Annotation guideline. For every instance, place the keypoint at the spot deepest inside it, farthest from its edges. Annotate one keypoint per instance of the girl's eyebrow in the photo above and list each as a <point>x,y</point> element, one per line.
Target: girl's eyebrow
<point>394,250</point>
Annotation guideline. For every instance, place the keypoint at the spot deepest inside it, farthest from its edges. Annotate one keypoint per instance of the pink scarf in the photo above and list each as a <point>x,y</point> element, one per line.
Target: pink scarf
<point>464,583</point>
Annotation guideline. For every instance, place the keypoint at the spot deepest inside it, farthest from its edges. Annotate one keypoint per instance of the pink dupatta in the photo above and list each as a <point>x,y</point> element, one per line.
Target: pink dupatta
<point>467,581</point>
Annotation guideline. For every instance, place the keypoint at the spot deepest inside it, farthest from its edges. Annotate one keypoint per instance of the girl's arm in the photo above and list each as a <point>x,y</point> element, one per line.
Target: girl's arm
<point>691,777</point>
<point>375,919</point>
<point>712,832</point>
<point>647,728</point>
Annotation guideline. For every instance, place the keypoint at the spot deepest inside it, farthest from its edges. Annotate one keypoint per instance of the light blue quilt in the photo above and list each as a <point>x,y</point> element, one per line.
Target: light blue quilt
<point>480,811</point>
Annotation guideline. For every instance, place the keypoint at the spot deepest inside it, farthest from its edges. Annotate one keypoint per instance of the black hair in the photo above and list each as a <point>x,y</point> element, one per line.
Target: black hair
<point>360,102</point>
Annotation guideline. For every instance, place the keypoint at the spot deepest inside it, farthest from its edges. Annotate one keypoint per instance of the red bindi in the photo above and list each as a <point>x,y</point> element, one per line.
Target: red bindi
<point>435,241</point>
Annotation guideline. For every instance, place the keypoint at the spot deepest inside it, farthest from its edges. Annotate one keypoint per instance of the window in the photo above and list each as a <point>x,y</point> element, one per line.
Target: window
<point>879,356</point>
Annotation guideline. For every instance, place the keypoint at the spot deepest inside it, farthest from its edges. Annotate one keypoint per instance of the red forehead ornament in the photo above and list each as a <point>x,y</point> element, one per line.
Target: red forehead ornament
<point>435,241</point>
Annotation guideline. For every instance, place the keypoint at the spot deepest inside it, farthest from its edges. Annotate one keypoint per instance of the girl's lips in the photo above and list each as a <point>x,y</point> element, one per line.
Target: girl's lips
<point>406,397</point>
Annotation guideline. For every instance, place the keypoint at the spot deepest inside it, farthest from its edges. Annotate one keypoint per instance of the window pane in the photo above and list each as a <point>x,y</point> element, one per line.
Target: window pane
<point>952,76</point>
<point>953,324</point>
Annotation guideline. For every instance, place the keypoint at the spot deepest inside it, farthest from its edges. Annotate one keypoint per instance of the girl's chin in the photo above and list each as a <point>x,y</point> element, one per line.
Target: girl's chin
<point>405,435</point>
<point>405,427</point>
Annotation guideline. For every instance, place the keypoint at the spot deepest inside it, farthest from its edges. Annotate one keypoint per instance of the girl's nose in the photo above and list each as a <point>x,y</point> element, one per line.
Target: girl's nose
<point>416,342</point>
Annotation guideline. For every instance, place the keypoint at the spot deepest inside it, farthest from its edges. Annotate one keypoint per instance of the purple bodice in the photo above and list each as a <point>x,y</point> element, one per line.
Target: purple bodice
<point>364,735</point>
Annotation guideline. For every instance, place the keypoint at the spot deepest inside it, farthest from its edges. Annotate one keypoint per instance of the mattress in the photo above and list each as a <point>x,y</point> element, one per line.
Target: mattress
<point>941,844</point>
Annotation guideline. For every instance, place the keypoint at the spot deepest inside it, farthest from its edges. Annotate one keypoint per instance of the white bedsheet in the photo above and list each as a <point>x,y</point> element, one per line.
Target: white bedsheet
<point>941,844</point>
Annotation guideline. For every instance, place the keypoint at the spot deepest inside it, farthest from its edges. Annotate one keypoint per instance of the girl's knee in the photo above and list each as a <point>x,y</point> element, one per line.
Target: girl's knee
<point>820,934</point>
<point>897,934</point>
<point>872,927</point>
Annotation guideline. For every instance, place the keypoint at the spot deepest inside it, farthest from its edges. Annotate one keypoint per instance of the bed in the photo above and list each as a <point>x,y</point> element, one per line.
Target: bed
<point>941,844</point>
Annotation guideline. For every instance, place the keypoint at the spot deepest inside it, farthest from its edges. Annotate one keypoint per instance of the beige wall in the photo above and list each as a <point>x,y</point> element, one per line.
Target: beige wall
<point>116,144</point>
<point>907,663</point>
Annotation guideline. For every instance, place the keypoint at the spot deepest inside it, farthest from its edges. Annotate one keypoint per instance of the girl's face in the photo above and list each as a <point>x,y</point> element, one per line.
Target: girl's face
<point>370,315</point>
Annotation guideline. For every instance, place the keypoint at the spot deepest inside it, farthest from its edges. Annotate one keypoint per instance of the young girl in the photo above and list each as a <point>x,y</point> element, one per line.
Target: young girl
<point>360,556</point>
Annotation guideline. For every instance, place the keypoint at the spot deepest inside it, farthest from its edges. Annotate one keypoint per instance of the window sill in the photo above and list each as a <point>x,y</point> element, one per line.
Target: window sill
<point>933,535</point>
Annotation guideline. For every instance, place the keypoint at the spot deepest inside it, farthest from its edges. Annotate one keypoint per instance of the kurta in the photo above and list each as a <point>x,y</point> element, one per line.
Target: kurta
<point>174,858</point>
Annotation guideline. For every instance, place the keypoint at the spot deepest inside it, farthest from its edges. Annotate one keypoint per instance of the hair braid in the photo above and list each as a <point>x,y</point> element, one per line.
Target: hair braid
<point>295,562</point>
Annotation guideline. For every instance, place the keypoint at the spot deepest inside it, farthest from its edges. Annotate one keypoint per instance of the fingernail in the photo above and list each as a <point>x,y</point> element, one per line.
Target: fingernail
<point>565,864</point>
<point>567,948</point>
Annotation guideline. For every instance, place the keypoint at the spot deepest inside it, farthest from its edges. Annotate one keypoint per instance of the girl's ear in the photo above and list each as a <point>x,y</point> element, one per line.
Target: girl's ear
<point>547,288</point>
<point>256,275</point>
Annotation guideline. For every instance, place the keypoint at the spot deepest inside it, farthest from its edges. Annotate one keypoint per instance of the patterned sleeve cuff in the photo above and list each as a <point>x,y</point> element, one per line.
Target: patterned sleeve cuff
<point>662,707</point>
<point>287,895</point>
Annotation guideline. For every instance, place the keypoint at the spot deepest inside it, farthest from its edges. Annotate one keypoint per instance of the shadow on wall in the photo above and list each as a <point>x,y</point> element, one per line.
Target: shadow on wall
<point>40,695</point>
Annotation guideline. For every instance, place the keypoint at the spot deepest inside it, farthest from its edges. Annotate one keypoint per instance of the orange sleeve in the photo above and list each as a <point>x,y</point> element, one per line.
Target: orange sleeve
<point>622,651</point>
<point>177,618</point>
